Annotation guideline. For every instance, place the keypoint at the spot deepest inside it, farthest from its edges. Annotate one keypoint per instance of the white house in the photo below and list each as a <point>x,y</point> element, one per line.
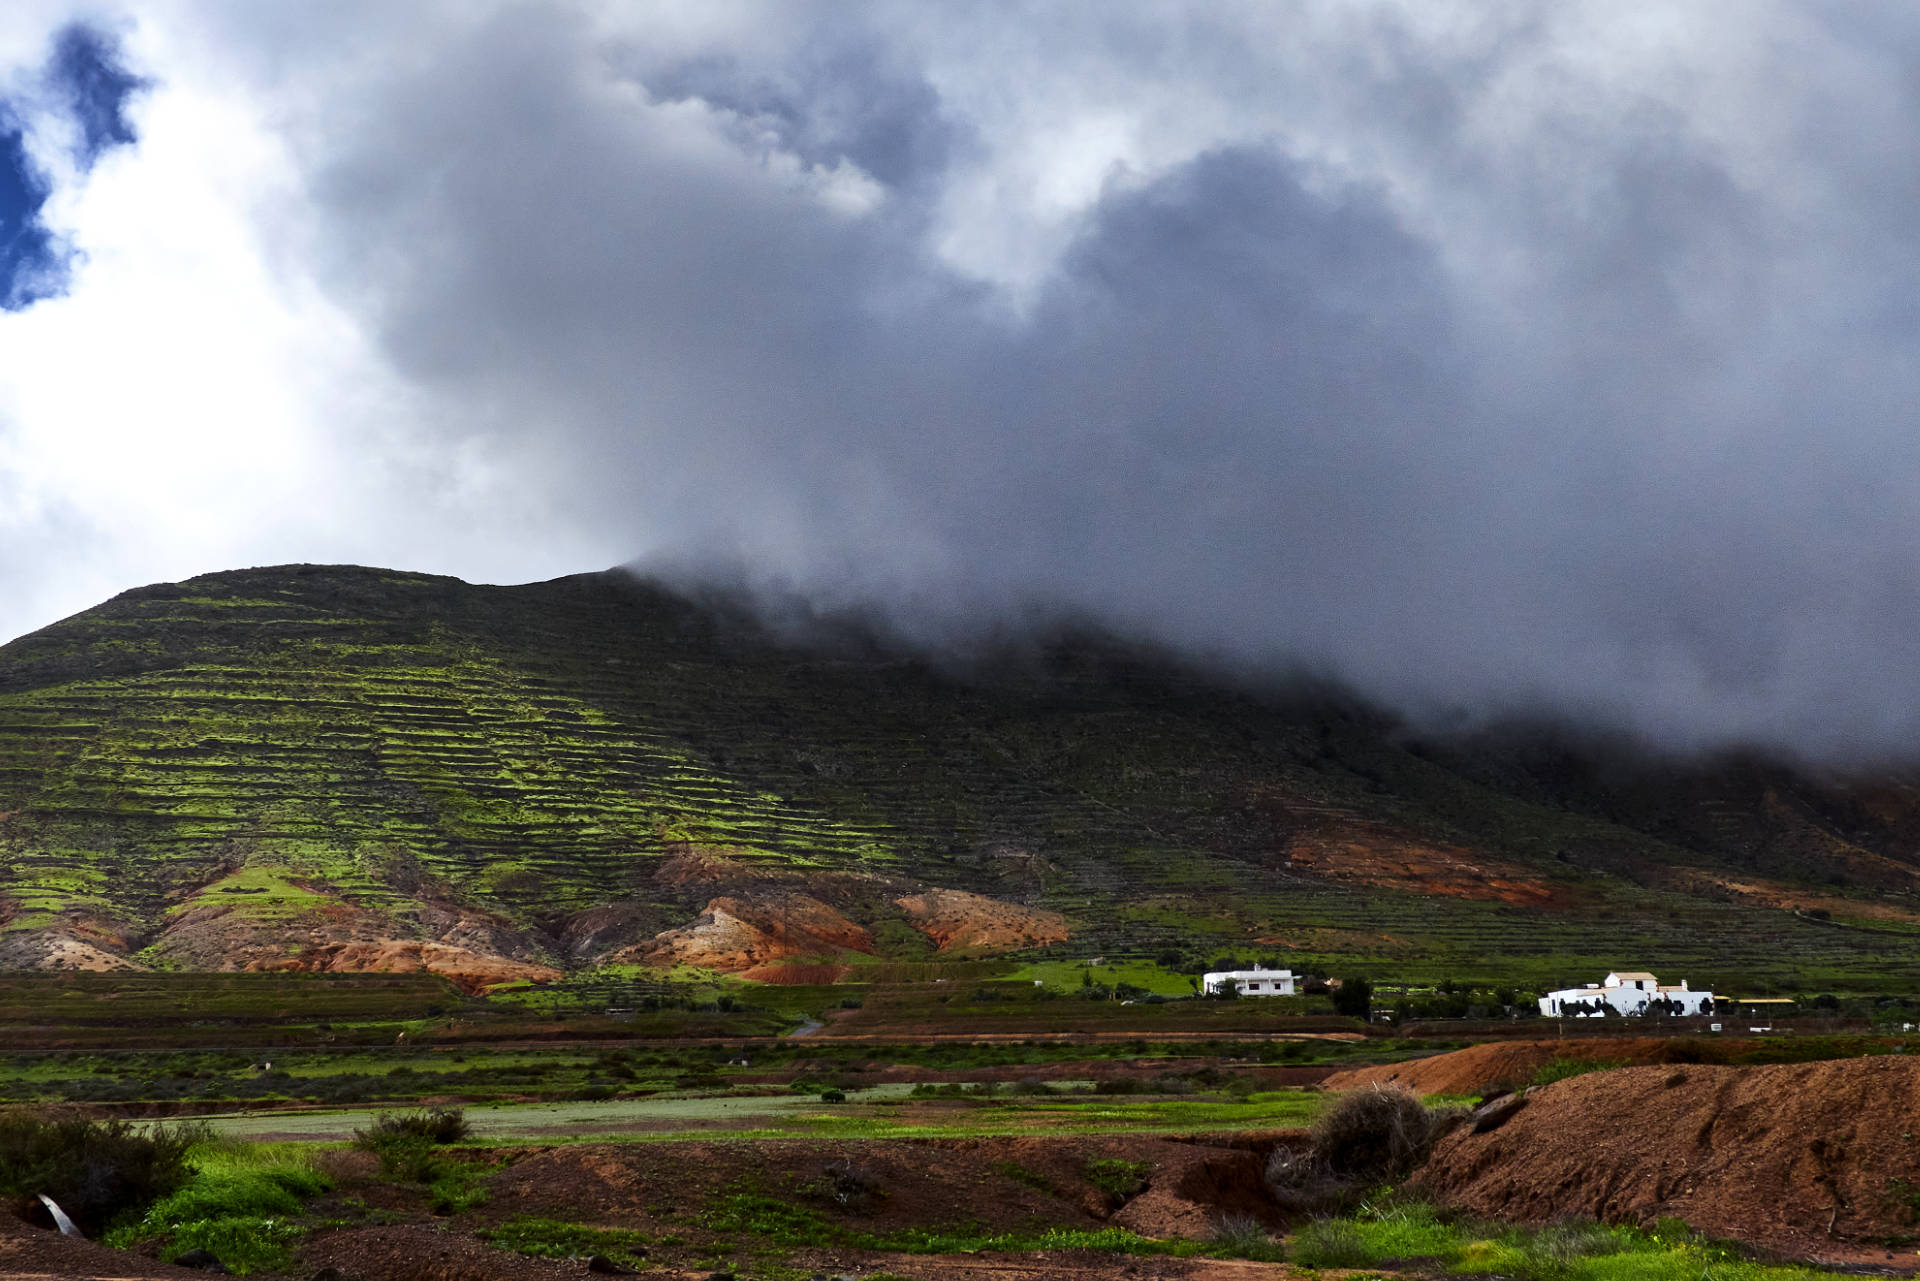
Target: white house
<point>1254,982</point>
<point>1626,992</point>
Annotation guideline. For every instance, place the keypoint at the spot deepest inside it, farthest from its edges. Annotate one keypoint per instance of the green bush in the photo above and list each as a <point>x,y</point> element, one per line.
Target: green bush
<point>240,1206</point>
<point>436,1125</point>
<point>454,1187</point>
<point>217,1196</point>
<point>405,1157</point>
<point>242,1244</point>
<point>406,1142</point>
<point>1119,1179</point>
<point>94,1170</point>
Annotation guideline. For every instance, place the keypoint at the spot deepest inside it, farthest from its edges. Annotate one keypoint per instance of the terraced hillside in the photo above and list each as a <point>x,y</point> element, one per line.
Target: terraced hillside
<point>333,768</point>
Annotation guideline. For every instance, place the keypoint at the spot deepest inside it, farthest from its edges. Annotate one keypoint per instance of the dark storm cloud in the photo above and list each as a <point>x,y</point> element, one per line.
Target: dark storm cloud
<point>1488,401</point>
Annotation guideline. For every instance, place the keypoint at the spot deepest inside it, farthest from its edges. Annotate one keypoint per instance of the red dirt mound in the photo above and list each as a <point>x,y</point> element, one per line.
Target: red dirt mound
<point>1004,1184</point>
<point>957,921</point>
<point>30,1252</point>
<point>741,933</point>
<point>416,1253</point>
<point>794,974</point>
<point>1815,1159</point>
<point>1479,1069</point>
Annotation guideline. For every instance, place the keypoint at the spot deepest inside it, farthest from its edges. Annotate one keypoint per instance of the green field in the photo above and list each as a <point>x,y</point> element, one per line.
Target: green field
<point>879,1112</point>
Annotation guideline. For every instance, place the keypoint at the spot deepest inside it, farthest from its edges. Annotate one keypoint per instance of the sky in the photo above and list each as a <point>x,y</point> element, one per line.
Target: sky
<point>1495,358</point>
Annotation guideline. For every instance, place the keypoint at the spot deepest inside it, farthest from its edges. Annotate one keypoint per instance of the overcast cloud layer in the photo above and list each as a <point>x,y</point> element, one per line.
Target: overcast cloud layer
<point>1493,357</point>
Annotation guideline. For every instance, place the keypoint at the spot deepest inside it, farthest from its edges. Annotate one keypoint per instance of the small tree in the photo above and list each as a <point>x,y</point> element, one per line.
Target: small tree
<point>1354,998</point>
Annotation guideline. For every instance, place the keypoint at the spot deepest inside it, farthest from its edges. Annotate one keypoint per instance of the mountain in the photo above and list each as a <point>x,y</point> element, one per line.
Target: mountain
<point>335,768</point>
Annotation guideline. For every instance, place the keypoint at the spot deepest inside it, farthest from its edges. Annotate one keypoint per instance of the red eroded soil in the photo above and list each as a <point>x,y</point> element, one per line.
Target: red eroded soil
<point>739,933</point>
<point>30,1252</point>
<point>1780,894</point>
<point>467,969</point>
<point>797,973</point>
<point>1817,1160</point>
<point>957,921</point>
<point>71,945</point>
<point>1479,1069</point>
<point>1367,853</point>
<point>1327,841</point>
<point>336,936</point>
<point>1012,1185</point>
<point>673,1191</point>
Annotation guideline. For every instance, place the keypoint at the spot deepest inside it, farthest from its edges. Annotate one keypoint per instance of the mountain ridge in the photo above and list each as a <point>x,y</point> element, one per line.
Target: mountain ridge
<point>340,767</point>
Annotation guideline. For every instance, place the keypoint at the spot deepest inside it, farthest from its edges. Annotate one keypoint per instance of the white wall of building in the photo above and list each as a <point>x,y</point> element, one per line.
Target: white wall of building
<point>1627,994</point>
<point>1254,982</point>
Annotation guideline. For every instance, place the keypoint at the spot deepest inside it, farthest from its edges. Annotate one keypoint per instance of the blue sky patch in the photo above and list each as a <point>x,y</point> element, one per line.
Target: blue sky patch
<point>96,87</point>
<point>33,262</point>
<point>90,84</point>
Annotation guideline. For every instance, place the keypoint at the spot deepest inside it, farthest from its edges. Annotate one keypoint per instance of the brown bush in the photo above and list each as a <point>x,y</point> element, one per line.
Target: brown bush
<point>1372,1135</point>
<point>1378,1133</point>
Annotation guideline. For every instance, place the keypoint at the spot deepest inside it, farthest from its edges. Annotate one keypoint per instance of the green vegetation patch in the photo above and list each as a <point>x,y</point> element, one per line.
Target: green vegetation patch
<point>1565,1068</point>
<point>1406,1233</point>
<point>553,1239</point>
<point>1117,1177</point>
<point>242,1205</point>
<point>778,1223</point>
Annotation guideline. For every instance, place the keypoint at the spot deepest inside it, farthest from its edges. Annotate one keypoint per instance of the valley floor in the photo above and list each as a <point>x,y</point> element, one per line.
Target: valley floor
<point>1154,1168</point>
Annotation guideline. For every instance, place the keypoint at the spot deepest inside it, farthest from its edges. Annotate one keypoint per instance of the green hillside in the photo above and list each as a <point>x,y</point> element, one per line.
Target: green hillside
<point>326,767</point>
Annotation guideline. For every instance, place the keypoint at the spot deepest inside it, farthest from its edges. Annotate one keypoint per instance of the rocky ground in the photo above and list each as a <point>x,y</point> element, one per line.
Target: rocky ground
<point>1815,1160</point>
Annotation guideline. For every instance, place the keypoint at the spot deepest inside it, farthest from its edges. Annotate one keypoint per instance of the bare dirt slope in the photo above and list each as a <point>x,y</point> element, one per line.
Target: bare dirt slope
<point>957,921</point>
<point>1480,1069</point>
<point>1013,1185</point>
<point>27,1252</point>
<point>1816,1159</point>
<point>670,1190</point>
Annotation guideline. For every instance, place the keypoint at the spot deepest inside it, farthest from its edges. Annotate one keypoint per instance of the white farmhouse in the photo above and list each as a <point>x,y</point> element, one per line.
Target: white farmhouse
<point>1254,982</point>
<point>1626,992</point>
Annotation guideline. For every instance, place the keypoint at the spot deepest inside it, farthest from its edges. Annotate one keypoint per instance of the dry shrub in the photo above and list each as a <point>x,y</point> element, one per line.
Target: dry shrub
<point>1374,1134</point>
<point>847,1185</point>
<point>1300,1182</point>
<point>1371,1136</point>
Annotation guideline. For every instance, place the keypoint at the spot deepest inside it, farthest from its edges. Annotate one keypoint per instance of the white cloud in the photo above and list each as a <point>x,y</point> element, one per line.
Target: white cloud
<point>1485,352</point>
<point>196,402</point>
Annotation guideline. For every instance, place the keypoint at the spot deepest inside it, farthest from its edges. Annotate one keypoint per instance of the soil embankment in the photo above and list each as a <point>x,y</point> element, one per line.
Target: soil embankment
<point>1818,1160</point>
<point>1503,1065</point>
